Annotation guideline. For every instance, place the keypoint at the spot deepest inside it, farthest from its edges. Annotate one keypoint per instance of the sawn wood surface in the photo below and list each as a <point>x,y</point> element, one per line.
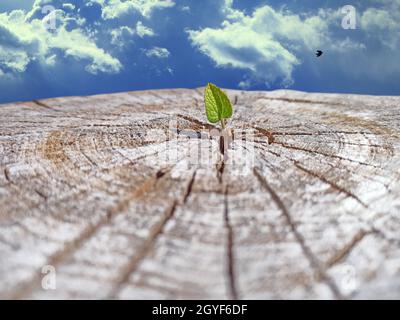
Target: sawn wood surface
<point>127,196</point>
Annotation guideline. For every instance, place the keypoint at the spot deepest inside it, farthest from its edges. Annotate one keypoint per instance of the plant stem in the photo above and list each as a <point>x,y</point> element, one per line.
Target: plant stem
<point>223,123</point>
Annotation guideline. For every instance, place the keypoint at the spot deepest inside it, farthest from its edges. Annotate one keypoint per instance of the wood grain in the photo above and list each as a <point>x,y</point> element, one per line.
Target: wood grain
<point>128,196</point>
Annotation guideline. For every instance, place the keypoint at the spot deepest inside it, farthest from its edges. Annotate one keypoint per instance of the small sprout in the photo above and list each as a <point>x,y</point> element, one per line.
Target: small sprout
<point>218,106</point>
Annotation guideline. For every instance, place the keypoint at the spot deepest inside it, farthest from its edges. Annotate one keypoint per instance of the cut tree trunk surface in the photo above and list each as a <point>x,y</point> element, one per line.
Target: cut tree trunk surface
<point>129,196</point>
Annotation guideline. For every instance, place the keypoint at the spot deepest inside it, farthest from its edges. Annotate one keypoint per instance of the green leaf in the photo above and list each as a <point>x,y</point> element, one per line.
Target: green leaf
<point>217,103</point>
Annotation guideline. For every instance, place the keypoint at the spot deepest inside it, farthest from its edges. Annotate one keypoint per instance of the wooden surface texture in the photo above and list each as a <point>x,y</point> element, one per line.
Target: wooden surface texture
<point>128,196</point>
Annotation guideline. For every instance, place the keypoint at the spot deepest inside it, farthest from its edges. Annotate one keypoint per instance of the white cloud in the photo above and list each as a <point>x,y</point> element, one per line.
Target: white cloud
<point>264,43</point>
<point>78,33</point>
<point>185,9</point>
<point>383,23</point>
<point>113,9</point>
<point>12,59</point>
<point>270,44</point>
<point>121,36</point>
<point>68,6</point>
<point>157,52</point>
<point>143,31</point>
<point>380,19</point>
<point>124,35</point>
<point>28,41</point>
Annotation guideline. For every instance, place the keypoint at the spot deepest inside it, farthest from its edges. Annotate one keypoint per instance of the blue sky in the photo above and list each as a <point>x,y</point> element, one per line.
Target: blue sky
<point>100,46</point>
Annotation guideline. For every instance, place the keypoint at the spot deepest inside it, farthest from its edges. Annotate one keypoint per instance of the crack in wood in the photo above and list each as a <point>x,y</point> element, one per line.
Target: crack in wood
<point>7,175</point>
<point>195,121</point>
<point>132,266</point>
<point>135,160</point>
<point>92,162</point>
<point>220,169</point>
<point>261,147</point>
<point>292,133</point>
<point>189,188</point>
<point>160,174</point>
<point>352,144</point>
<point>381,234</point>
<point>231,275</point>
<point>305,101</point>
<point>326,154</point>
<point>267,133</point>
<point>26,288</point>
<point>230,250</point>
<point>331,183</point>
<point>148,245</point>
<point>322,133</point>
<point>44,105</point>
<point>314,262</point>
<point>56,259</point>
<point>345,251</point>
<point>235,100</point>
<point>41,194</point>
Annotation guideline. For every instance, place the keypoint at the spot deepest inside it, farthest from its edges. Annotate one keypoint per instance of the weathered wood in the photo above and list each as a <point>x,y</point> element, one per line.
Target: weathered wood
<point>307,206</point>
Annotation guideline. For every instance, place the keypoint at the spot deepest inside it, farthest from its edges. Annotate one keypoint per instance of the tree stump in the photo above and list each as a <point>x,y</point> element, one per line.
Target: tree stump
<point>129,196</point>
